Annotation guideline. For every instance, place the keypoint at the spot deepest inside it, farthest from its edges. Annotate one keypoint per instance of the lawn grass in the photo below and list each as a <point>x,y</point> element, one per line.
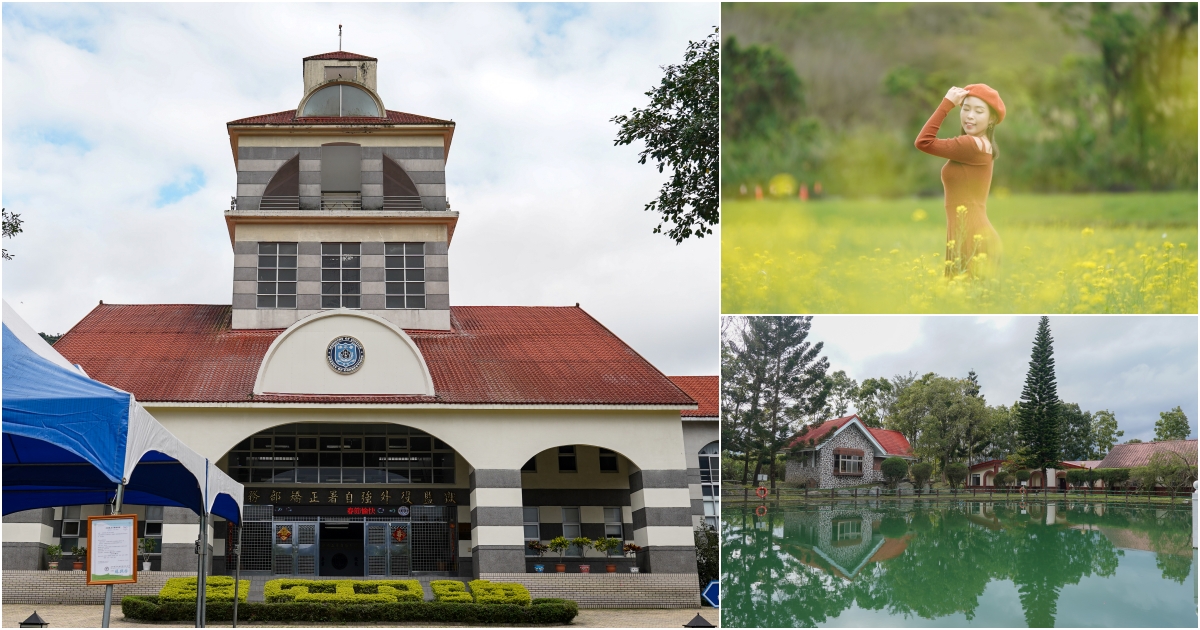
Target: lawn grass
<point>1087,253</point>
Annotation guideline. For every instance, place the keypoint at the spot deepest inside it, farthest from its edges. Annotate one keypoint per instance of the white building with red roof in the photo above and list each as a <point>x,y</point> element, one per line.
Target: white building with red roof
<point>380,431</point>
<point>842,452</point>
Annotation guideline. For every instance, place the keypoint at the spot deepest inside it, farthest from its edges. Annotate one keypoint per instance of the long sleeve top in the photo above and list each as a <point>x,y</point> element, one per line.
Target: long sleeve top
<point>967,178</point>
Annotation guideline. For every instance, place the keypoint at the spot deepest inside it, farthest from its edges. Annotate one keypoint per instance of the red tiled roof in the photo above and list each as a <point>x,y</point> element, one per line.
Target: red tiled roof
<point>892,441</point>
<point>991,463</point>
<point>1134,455</point>
<point>340,55</point>
<point>705,390</point>
<point>289,117</point>
<point>492,355</point>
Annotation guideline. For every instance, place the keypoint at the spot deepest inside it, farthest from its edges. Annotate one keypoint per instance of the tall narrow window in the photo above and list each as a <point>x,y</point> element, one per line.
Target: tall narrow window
<point>532,528</point>
<point>612,527</point>
<point>276,275</point>
<point>405,264</point>
<point>572,529</point>
<point>710,482</point>
<point>340,285</point>
<point>153,533</point>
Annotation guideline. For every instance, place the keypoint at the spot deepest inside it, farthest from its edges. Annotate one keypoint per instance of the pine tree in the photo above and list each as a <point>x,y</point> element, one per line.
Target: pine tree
<point>1038,415</point>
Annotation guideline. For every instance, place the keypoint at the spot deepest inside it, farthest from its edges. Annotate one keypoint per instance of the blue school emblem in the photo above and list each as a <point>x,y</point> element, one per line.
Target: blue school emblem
<point>345,355</point>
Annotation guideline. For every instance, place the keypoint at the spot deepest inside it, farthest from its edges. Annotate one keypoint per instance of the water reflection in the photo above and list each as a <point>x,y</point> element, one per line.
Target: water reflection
<point>805,566</point>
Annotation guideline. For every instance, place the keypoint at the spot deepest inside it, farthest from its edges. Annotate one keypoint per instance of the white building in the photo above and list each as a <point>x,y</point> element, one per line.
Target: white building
<point>379,430</point>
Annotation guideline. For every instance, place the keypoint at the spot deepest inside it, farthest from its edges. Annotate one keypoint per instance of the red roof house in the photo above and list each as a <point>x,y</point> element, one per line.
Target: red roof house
<point>890,441</point>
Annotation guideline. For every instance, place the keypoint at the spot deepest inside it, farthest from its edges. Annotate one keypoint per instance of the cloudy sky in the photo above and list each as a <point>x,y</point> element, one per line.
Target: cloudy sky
<point>117,158</point>
<point>1135,366</point>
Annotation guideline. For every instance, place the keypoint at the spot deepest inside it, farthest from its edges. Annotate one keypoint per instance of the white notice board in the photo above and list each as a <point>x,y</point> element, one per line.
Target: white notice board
<point>112,549</point>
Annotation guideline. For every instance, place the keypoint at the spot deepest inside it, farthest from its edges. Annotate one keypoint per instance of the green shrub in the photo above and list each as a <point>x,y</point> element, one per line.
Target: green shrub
<point>708,554</point>
<point>920,474</point>
<point>956,472</point>
<point>486,592</point>
<point>450,591</point>
<point>219,589</point>
<point>539,612</point>
<point>361,591</point>
<point>894,469</point>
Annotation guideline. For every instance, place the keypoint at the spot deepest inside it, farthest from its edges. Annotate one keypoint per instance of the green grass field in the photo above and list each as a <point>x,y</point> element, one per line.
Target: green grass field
<point>1088,253</point>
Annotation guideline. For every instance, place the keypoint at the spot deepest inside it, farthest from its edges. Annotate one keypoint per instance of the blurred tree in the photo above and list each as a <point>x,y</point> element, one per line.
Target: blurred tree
<point>1171,425</point>
<point>680,128</point>
<point>842,390</point>
<point>1039,412</point>
<point>51,339</point>
<point>1104,433</point>
<point>873,401</point>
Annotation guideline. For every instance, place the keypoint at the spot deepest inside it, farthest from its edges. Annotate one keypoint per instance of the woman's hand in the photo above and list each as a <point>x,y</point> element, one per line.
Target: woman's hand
<point>956,95</point>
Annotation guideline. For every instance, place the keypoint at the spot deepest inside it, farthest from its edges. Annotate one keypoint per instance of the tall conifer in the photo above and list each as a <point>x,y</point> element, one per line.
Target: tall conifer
<point>1038,414</point>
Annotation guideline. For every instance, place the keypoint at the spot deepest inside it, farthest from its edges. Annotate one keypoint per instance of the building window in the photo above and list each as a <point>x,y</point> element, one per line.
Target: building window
<point>566,460</point>
<point>530,466</point>
<point>847,531</point>
<point>974,481</point>
<point>154,532</point>
<point>532,528</point>
<point>571,529</point>
<point>276,275</point>
<point>848,464</point>
<point>405,264</point>
<point>612,527</point>
<point>608,461</point>
<point>309,453</point>
<point>341,100</point>
<point>340,284</point>
<point>73,527</point>
<point>710,482</point>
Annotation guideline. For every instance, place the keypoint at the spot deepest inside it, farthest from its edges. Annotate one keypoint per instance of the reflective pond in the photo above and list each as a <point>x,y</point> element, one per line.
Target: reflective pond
<point>990,564</point>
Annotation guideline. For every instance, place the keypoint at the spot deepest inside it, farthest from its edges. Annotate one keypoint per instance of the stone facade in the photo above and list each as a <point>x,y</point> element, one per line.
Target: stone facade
<point>822,474</point>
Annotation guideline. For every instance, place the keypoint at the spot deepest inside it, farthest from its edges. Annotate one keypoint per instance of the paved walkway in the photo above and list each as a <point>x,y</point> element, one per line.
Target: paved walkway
<point>88,616</point>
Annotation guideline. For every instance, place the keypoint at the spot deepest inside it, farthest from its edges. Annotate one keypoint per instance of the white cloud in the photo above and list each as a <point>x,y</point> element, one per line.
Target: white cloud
<point>106,105</point>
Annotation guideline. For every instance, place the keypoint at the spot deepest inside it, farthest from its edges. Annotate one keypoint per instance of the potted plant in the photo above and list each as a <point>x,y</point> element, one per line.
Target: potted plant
<point>630,550</point>
<point>559,544</point>
<point>79,553</point>
<point>54,553</point>
<point>147,547</point>
<point>582,543</point>
<point>605,546</point>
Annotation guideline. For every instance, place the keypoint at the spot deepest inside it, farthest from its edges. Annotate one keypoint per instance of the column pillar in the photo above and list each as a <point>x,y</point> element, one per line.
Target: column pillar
<point>662,520</point>
<point>26,536</point>
<point>497,525</point>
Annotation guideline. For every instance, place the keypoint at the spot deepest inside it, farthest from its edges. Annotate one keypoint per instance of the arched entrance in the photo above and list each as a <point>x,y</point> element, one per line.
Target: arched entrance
<point>342,499</point>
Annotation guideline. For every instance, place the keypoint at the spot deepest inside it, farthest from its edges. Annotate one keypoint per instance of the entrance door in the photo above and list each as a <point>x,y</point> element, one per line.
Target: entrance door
<point>342,549</point>
<point>295,548</point>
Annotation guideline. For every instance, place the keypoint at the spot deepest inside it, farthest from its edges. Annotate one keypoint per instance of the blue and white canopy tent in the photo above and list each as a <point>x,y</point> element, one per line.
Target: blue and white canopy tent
<point>71,440</point>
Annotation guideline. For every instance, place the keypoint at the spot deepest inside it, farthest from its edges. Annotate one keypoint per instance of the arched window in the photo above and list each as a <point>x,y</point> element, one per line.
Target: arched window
<point>341,100</point>
<point>283,191</point>
<point>710,482</point>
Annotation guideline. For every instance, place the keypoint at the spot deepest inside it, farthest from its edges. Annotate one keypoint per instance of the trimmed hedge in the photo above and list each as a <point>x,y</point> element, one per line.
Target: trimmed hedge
<point>450,591</point>
<point>219,587</point>
<point>539,612</point>
<point>358,591</point>
<point>486,592</point>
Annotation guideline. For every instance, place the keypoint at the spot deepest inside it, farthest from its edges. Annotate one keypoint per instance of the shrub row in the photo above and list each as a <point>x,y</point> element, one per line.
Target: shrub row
<point>219,589</point>
<point>450,591</point>
<point>486,592</point>
<point>539,612</point>
<point>358,591</point>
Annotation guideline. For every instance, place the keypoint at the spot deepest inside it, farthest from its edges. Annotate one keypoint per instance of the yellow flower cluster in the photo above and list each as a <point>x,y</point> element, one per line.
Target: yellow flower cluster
<point>804,258</point>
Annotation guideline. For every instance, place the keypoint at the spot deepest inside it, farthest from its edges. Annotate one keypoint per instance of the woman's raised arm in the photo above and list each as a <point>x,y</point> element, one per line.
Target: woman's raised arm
<point>960,149</point>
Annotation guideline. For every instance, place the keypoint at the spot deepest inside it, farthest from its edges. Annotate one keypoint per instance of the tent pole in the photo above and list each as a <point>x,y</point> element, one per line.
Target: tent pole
<point>237,568</point>
<point>201,573</point>
<point>108,588</point>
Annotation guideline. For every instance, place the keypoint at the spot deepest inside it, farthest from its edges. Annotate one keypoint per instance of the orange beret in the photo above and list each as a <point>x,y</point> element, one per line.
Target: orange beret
<point>989,96</point>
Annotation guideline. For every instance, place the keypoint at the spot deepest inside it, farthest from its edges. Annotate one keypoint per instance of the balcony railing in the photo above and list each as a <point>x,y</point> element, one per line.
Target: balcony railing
<point>341,203</point>
<point>279,203</point>
<point>402,203</point>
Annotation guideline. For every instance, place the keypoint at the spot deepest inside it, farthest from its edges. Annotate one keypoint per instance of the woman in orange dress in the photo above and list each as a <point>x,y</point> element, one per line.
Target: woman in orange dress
<point>972,244</point>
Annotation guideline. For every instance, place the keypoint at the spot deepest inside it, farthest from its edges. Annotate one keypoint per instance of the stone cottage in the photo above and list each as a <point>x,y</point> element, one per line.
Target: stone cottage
<point>842,452</point>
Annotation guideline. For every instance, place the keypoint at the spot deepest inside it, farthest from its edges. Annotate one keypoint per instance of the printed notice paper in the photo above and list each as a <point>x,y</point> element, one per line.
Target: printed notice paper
<point>111,541</point>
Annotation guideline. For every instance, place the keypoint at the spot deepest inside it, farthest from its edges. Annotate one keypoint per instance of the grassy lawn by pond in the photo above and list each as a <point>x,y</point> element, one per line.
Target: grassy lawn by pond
<point>978,563</point>
<point>1087,253</point>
